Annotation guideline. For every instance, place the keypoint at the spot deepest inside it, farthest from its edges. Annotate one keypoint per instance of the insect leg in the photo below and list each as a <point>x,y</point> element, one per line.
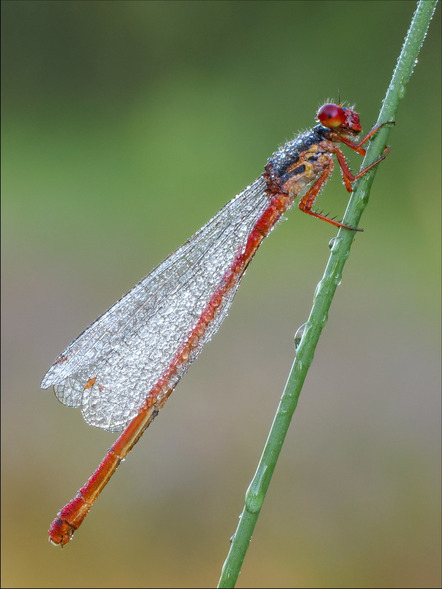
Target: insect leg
<point>358,146</point>
<point>307,201</point>
<point>347,174</point>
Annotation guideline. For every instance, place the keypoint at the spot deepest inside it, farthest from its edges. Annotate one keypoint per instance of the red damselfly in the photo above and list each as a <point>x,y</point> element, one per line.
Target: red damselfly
<point>123,367</point>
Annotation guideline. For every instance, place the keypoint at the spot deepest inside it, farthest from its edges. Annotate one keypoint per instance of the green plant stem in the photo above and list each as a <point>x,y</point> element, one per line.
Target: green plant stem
<point>324,294</point>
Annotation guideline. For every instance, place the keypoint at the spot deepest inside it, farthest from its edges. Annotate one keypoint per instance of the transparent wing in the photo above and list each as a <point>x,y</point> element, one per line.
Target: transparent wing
<point>129,347</point>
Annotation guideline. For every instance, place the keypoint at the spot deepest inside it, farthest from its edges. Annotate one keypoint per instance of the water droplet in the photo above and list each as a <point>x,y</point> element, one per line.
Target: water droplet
<point>317,289</point>
<point>332,242</point>
<point>299,334</point>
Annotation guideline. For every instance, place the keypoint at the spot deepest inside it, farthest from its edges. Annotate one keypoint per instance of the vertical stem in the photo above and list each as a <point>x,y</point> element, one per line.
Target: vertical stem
<point>324,295</point>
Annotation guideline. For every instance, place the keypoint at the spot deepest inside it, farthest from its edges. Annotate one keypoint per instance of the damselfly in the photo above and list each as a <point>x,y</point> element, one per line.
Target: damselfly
<point>123,367</point>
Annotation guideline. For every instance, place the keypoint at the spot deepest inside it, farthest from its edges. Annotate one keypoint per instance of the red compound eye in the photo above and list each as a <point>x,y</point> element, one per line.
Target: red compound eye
<point>331,115</point>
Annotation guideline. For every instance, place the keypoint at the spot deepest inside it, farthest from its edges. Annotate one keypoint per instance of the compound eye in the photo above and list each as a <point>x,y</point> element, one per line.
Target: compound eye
<point>331,115</point>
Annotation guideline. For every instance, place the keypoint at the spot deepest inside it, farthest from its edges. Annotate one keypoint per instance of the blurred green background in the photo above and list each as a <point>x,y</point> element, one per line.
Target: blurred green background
<point>126,126</point>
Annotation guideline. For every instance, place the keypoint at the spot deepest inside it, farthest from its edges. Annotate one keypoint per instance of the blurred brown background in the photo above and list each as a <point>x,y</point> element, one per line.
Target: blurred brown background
<point>126,126</point>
